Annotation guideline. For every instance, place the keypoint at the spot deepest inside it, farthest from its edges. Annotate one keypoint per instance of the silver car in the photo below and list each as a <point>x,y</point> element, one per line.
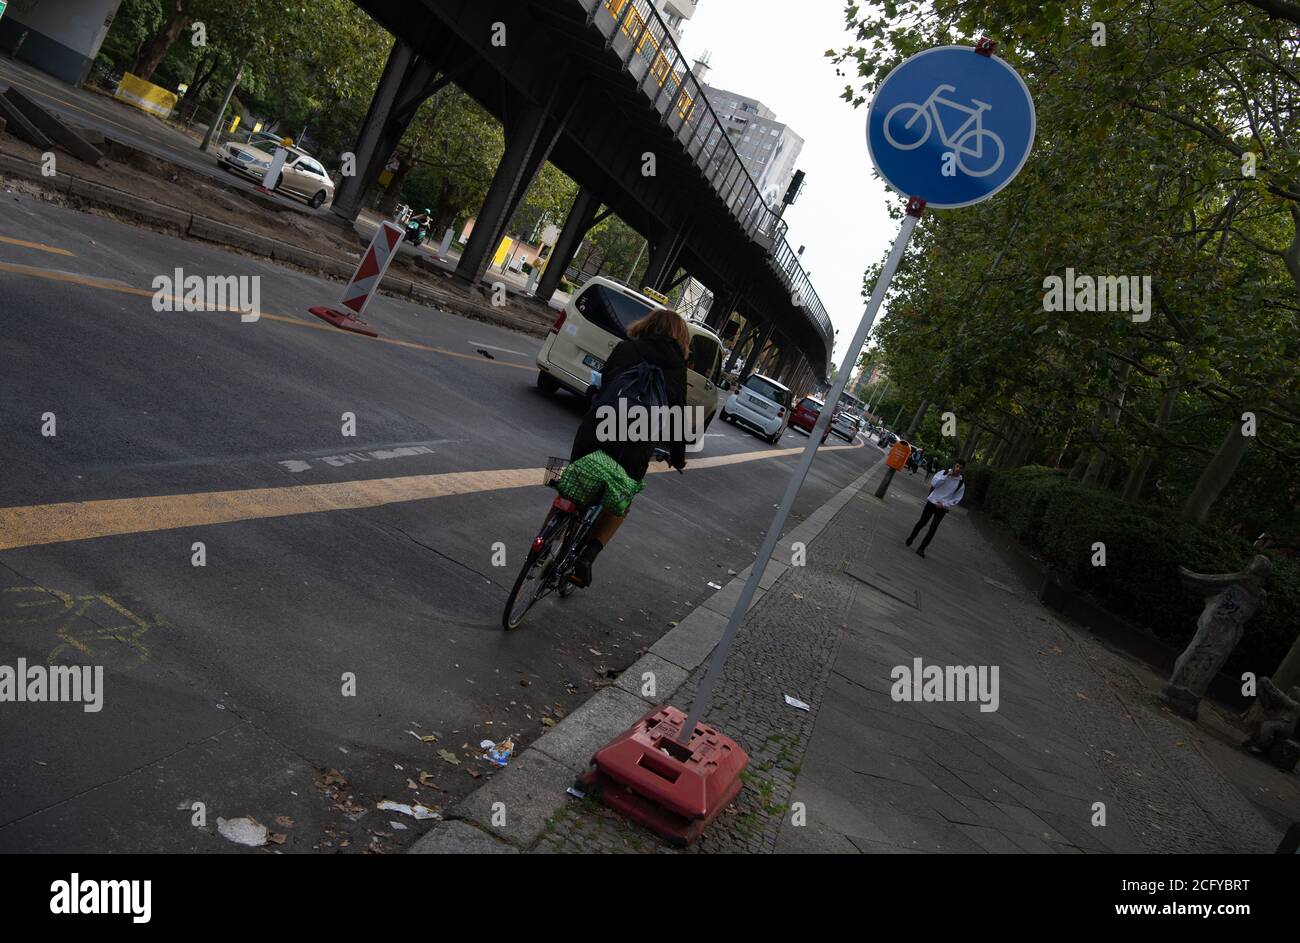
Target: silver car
<point>302,174</point>
<point>844,426</point>
<point>762,404</point>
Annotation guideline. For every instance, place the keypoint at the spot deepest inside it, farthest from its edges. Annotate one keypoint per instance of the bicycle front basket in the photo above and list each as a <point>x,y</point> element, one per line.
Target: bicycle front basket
<point>554,471</point>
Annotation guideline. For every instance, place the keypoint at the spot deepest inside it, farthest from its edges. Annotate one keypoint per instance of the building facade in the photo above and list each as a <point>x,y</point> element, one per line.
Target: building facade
<point>767,147</point>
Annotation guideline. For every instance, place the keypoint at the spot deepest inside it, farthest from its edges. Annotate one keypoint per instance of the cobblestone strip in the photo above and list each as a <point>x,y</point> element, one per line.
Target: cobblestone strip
<point>526,807</point>
<point>787,646</point>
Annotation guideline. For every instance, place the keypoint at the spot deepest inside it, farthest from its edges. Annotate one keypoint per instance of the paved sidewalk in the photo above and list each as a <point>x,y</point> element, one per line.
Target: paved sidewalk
<point>1075,725</point>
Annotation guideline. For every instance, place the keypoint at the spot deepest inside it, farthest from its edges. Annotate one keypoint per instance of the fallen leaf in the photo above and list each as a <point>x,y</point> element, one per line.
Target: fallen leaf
<point>449,757</point>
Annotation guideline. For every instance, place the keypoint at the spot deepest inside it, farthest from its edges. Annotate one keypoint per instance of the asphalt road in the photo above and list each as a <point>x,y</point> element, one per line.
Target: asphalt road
<point>325,555</point>
<point>121,122</point>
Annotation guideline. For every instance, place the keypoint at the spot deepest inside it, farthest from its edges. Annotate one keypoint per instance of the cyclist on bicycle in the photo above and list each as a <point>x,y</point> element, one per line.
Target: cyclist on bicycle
<point>660,339</point>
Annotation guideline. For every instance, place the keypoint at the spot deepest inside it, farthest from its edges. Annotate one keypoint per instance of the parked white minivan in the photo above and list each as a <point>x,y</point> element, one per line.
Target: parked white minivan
<point>591,325</point>
<point>762,404</point>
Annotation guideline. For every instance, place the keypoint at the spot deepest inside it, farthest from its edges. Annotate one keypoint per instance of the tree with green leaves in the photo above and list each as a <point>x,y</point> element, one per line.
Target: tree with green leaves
<point>1164,152</point>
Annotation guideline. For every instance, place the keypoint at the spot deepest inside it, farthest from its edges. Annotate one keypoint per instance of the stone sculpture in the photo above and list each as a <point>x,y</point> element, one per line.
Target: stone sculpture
<point>1231,599</point>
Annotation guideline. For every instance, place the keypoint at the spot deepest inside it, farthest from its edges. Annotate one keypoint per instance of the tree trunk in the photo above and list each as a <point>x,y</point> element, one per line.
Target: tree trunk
<point>1137,478</point>
<point>1216,475</point>
<point>194,94</point>
<point>156,47</point>
<point>1092,471</point>
<point>1092,476</point>
<point>447,209</point>
<point>1292,254</point>
<point>391,195</point>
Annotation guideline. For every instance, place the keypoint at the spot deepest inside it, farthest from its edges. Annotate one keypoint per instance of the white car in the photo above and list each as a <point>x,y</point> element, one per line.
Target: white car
<point>591,325</point>
<point>302,175</point>
<point>761,404</point>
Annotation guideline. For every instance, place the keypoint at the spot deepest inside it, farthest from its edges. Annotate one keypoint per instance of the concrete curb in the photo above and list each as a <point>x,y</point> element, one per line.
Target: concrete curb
<point>225,234</point>
<point>511,810</point>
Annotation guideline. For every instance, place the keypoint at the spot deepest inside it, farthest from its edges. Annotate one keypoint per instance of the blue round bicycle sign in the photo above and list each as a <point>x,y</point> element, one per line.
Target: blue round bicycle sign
<point>951,126</point>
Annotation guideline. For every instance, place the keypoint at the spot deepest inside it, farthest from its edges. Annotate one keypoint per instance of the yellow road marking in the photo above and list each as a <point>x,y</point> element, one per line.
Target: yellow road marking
<point>35,245</point>
<point>84,520</point>
<point>102,284</point>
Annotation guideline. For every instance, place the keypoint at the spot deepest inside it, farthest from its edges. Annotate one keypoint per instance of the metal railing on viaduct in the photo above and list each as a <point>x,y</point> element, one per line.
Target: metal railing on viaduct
<point>601,89</point>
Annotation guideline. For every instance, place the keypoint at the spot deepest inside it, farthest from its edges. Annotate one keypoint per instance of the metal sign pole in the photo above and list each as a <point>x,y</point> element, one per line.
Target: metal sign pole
<point>915,207</point>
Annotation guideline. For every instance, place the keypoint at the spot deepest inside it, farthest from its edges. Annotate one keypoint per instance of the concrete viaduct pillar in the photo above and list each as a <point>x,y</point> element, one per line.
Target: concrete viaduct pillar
<point>530,132</point>
<point>663,259</point>
<point>407,81</point>
<point>724,303</point>
<point>759,349</point>
<point>582,216</point>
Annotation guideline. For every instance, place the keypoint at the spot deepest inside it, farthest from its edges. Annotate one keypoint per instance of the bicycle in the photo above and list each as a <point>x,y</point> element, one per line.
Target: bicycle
<point>958,141</point>
<point>547,567</point>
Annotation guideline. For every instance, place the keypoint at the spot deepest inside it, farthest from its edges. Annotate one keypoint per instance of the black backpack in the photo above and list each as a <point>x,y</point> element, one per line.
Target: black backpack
<point>642,385</point>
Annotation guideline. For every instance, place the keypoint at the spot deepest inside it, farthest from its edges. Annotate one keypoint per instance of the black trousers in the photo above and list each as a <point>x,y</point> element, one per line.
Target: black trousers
<point>932,513</point>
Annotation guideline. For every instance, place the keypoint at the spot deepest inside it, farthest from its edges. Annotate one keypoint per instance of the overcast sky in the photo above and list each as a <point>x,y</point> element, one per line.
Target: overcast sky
<point>773,50</point>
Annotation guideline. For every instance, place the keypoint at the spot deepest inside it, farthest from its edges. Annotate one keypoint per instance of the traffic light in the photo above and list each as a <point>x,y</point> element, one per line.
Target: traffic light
<point>796,184</point>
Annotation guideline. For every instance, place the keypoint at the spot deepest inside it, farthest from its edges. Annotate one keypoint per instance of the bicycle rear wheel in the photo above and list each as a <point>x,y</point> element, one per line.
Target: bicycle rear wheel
<point>568,556</point>
<point>534,578</point>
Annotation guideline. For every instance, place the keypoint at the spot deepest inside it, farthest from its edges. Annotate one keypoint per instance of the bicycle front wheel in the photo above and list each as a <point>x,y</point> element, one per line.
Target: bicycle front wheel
<point>532,582</point>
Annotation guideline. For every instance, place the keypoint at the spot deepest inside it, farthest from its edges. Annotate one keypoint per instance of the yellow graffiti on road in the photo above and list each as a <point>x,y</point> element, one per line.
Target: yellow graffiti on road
<point>83,623</point>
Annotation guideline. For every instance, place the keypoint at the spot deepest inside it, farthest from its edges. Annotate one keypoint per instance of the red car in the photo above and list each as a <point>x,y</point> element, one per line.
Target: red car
<point>805,416</point>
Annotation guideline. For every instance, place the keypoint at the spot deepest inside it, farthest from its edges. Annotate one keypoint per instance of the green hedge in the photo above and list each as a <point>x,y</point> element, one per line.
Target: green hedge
<point>1060,520</point>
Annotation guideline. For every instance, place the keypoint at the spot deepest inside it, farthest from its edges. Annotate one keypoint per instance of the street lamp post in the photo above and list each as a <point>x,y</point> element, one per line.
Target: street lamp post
<point>215,126</point>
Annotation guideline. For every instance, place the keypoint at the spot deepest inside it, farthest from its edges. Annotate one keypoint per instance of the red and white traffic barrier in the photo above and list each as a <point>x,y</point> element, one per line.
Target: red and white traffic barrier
<point>365,282</point>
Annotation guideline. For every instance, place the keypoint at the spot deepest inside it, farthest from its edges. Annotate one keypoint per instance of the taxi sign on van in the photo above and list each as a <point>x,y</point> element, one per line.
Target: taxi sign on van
<point>898,455</point>
<point>655,295</point>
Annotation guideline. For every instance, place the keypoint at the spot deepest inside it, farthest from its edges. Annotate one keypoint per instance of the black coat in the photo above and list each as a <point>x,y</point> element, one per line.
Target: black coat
<point>663,352</point>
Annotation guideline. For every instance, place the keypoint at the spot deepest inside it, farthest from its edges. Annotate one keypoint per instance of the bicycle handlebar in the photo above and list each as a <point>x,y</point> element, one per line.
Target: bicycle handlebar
<point>661,455</point>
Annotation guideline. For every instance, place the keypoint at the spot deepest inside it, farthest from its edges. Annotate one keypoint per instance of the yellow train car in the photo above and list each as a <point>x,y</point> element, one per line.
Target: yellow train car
<point>634,25</point>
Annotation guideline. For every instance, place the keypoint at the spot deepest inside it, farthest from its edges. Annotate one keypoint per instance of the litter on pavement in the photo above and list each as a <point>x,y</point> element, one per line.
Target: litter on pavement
<point>795,702</point>
<point>498,753</point>
<point>243,831</point>
<point>415,811</point>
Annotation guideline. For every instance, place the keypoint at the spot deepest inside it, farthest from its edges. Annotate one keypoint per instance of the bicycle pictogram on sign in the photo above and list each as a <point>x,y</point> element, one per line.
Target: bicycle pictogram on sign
<point>967,141</point>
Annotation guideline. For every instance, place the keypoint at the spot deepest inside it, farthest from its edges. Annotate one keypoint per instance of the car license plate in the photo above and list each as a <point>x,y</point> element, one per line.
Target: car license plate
<point>594,363</point>
<point>759,403</point>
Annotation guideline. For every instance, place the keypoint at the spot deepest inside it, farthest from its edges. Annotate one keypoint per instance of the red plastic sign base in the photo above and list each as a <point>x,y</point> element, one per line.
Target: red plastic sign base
<point>673,789</point>
<point>344,320</point>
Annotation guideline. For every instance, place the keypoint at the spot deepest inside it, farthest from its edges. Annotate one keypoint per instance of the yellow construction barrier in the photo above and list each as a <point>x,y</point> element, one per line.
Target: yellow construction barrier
<point>145,95</point>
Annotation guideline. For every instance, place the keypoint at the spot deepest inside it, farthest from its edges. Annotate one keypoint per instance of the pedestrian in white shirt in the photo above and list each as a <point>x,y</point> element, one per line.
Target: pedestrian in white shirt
<point>946,491</point>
